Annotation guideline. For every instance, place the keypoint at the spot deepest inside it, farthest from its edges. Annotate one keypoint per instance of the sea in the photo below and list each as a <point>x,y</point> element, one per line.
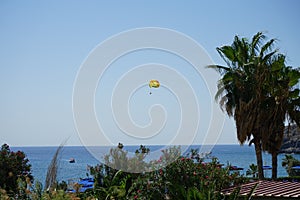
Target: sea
<point>40,158</point>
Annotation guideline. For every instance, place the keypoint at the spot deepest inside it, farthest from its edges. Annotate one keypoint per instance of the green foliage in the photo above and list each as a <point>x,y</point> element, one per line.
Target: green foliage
<point>111,183</point>
<point>187,177</point>
<point>184,175</point>
<point>36,191</point>
<point>56,195</point>
<point>257,89</point>
<point>289,162</point>
<point>14,166</point>
<point>252,171</point>
<point>119,159</point>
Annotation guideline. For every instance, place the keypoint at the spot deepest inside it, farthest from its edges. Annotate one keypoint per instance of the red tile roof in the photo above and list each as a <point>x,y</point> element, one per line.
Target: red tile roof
<point>274,189</point>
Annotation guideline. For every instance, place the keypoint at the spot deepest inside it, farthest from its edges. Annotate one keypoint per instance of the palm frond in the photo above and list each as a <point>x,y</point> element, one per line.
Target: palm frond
<point>294,76</point>
<point>256,43</point>
<point>277,62</point>
<point>268,57</point>
<point>218,68</point>
<point>266,47</point>
<point>219,93</point>
<point>227,53</point>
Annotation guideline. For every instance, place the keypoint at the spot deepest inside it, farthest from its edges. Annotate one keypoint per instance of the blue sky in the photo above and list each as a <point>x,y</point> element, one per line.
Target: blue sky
<point>43,45</point>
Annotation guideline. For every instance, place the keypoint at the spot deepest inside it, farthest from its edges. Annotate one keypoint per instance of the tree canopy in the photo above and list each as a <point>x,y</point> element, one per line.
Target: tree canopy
<point>13,165</point>
<point>257,89</point>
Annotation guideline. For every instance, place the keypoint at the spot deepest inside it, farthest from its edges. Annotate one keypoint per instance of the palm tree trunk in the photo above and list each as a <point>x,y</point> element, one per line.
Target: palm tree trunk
<point>274,165</point>
<point>259,159</point>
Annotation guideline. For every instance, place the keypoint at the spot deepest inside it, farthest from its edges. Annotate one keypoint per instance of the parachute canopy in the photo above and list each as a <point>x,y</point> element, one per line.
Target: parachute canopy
<point>154,83</point>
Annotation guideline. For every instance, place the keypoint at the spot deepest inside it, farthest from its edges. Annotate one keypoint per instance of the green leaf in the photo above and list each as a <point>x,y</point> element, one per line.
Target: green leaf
<point>218,68</point>
<point>294,77</point>
<point>294,93</point>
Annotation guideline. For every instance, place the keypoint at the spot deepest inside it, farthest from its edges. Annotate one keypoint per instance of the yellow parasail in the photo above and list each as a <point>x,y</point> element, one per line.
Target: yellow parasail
<point>154,83</point>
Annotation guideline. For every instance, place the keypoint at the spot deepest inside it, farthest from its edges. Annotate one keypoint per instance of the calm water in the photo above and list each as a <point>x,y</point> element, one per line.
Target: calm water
<point>40,158</point>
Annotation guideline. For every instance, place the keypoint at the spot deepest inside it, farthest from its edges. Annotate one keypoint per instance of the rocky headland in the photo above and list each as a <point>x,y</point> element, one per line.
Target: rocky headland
<point>291,140</point>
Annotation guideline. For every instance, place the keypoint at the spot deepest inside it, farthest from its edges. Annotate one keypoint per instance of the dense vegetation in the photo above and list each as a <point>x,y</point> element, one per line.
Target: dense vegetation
<point>14,168</point>
<point>259,91</point>
<point>192,176</point>
<point>187,177</point>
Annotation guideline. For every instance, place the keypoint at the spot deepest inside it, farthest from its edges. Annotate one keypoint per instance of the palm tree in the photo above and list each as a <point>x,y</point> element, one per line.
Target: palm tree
<point>252,171</point>
<point>243,90</point>
<point>288,162</point>
<point>284,103</point>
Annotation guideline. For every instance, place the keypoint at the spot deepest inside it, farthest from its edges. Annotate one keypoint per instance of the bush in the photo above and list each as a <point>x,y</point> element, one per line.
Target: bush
<point>14,166</point>
<point>187,177</point>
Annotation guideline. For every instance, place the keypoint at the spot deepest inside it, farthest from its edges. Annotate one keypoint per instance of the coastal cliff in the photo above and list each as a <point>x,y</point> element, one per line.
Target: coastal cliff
<point>291,140</point>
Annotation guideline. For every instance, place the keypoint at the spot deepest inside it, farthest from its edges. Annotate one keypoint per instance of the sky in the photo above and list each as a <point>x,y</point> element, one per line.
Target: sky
<point>44,45</point>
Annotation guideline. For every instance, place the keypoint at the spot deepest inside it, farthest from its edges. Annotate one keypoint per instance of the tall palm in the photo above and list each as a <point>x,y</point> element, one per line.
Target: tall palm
<point>283,104</point>
<point>243,85</point>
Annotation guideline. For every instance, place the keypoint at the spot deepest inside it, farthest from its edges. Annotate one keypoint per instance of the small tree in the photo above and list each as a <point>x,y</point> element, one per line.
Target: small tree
<point>289,162</point>
<point>13,166</point>
<point>252,171</point>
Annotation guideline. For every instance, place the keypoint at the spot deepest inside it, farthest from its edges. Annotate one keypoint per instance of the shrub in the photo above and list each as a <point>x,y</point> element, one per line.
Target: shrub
<point>187,177</point>
<point>289,162</point>
<point>14,166</point>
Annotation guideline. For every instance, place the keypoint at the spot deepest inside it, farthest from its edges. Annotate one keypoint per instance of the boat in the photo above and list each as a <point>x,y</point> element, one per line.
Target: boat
<point>72,160</point>
<point>266,167</point>
<point>235,168</point>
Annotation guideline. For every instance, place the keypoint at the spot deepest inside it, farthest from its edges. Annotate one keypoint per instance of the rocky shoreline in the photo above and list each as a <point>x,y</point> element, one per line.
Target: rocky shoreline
<point>291,140</point>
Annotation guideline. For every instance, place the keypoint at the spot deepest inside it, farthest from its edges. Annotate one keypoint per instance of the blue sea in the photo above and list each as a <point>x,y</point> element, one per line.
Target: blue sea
<point>40,158</point>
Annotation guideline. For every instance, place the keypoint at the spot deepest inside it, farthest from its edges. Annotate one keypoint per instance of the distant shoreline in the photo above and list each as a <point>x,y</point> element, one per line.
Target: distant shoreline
<point>284,150</point>
<point>127,145</point>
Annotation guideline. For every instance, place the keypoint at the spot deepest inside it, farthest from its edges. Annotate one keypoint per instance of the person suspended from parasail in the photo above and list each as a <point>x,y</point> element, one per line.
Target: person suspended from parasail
<point>154,84</point>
